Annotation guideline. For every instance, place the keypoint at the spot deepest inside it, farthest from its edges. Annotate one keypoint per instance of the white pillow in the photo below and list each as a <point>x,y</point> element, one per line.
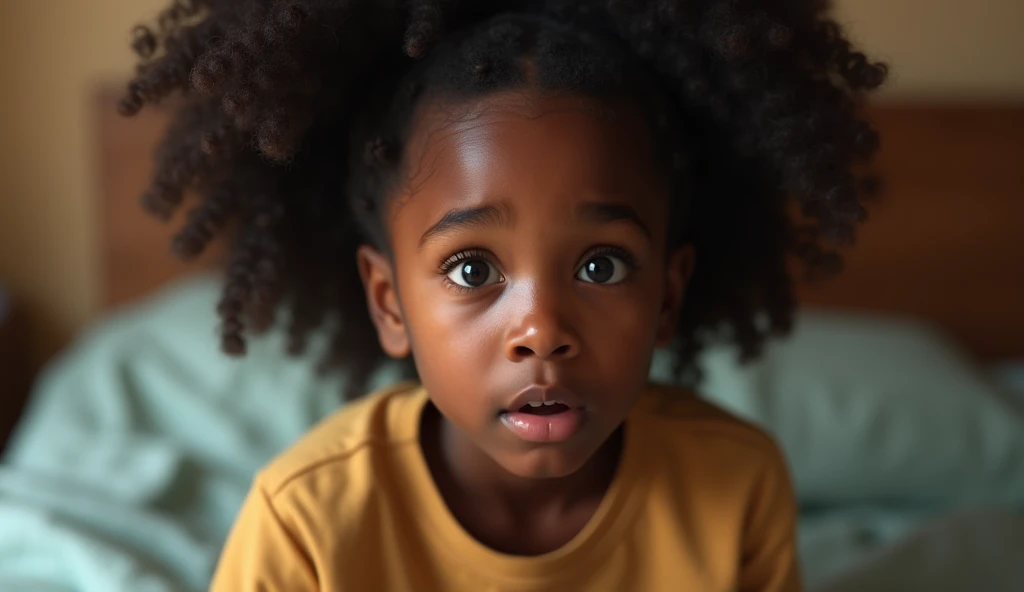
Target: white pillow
<point>876,409</point>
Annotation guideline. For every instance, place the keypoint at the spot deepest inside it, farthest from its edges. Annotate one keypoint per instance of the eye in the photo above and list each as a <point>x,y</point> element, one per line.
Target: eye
<point>473,273</point>
<point>603,269</point>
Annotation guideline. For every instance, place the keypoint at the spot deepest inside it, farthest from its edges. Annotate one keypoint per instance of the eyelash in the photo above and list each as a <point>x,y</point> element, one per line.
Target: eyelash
<point>449,264</point>
<point>617,252</point>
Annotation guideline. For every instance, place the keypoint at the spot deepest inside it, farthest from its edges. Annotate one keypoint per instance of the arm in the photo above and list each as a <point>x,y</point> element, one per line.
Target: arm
<point>261,554</point>
<point>769,562</point>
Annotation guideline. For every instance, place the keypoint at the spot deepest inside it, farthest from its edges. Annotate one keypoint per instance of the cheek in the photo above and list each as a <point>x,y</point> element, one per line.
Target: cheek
<point>621,331</point>
<point>454,341</point>
<point>630,309</point>
<point>458,355</point>
<point>463,331</point>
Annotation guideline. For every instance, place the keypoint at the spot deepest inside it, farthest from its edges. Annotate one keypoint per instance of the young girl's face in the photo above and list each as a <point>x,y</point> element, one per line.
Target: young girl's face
<point>529,265</point>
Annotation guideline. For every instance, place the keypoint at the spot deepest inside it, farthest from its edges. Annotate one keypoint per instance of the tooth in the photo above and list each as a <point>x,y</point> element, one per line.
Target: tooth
<point>535,403</point>
<point>549,402</point>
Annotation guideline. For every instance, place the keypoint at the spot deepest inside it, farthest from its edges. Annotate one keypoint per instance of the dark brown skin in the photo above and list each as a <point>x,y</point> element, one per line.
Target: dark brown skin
<point>539,162</point>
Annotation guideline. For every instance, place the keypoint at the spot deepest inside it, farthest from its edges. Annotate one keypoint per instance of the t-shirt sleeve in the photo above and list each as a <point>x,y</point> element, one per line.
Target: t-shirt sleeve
<point>261,554</point>
<point>769,561</point>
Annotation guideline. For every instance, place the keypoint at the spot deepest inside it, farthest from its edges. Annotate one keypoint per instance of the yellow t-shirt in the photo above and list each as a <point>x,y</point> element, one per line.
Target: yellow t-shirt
<point>701,502</point>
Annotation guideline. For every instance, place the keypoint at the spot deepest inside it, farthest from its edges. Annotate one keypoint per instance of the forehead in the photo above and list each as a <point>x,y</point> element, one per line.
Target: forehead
<point>526,150</point>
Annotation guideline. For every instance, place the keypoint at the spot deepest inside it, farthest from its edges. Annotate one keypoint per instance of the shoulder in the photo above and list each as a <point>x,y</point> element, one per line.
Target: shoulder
<point>693,439</point>
<point>700,452</point>
<point>336,474</point>
<point>346,440</point>
<point>725,474</point>
<point>675,413</point>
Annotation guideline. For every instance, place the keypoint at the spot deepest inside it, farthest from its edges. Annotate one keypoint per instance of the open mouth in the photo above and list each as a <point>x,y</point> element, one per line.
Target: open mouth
<point>543,416</point>
<point>545,408</point>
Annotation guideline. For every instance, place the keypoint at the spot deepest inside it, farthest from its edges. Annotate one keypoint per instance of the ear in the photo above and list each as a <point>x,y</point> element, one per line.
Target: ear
<point>678,271</point>
<point>378,277</point>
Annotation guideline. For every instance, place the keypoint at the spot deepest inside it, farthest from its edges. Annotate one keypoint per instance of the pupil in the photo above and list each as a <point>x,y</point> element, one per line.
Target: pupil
<point>599,269</point>
<point>474,273</point>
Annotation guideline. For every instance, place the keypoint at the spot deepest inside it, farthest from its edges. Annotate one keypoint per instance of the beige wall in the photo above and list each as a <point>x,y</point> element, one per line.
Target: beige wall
<point>53,52</point>
<point>949,49</point>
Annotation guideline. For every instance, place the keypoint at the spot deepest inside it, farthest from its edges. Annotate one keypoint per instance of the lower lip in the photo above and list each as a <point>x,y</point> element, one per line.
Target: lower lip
<point>544,428</point>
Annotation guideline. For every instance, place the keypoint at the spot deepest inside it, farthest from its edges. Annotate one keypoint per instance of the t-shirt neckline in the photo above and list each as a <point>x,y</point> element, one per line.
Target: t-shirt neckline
<point>589,547</point>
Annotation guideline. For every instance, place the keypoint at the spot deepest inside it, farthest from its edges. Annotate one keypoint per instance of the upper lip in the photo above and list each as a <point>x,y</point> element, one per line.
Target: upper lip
<point>544,393</point>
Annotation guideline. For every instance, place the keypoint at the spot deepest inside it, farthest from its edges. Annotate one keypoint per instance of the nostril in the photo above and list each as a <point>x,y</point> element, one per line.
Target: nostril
<point>522,351</point>
<point>560,350</point>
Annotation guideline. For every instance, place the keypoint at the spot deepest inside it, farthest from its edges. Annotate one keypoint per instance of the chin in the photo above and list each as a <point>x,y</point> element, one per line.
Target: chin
<point>547,462</point>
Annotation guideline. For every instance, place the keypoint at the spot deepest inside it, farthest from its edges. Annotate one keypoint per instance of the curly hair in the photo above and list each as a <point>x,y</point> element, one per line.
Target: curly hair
<point>295,114</point>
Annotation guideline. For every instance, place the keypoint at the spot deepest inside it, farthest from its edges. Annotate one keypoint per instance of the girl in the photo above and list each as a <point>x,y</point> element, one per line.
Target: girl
<point>535,195</point>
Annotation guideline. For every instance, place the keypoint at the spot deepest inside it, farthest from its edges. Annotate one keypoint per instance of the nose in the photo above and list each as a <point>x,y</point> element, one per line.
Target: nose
<point>541,334</point>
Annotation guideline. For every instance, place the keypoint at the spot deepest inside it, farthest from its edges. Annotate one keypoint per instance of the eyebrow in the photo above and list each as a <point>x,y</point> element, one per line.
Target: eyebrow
<point>467,218</point>
<point>600,212</point>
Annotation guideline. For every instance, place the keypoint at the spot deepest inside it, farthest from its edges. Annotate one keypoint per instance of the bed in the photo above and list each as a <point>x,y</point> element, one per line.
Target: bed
<point>899,400</point>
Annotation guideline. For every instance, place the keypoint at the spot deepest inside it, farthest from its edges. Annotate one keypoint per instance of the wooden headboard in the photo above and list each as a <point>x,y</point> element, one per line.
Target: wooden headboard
<point>944,242</point>
<point>945,239</point>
